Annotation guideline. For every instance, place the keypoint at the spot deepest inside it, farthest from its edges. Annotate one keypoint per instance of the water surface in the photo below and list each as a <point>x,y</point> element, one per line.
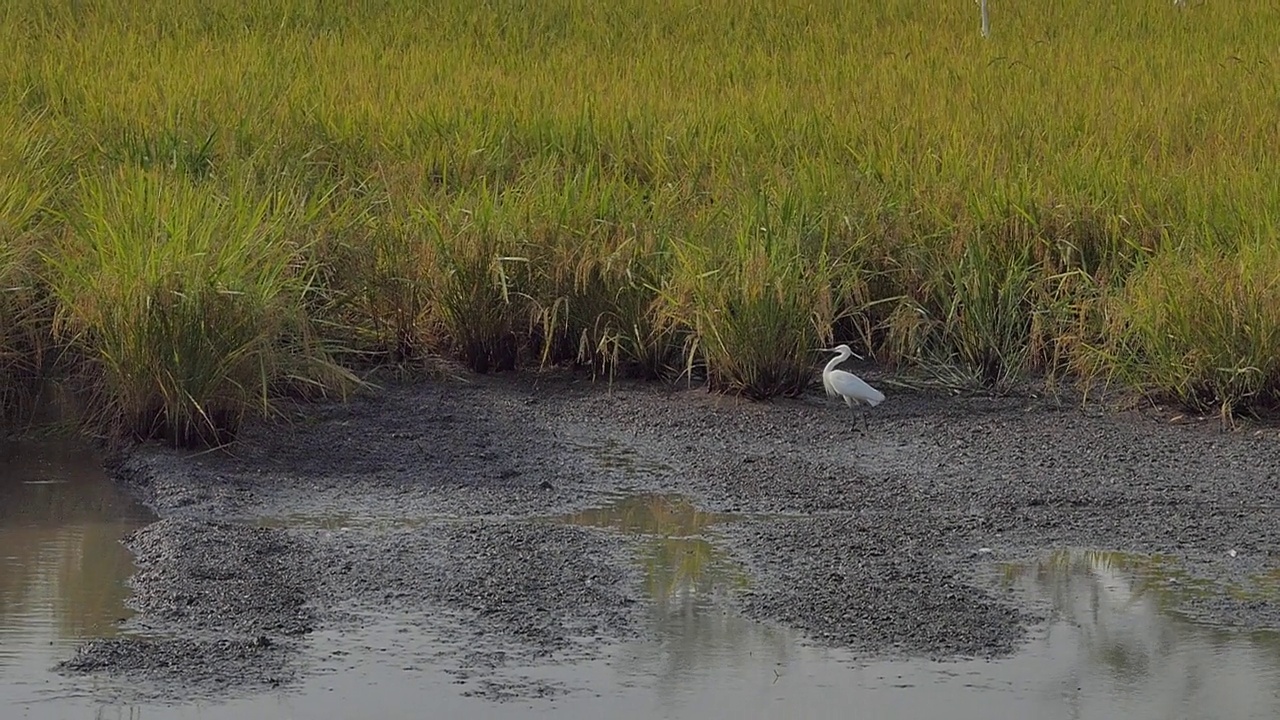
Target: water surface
<point>63,570</point>
<point>1114,646</point>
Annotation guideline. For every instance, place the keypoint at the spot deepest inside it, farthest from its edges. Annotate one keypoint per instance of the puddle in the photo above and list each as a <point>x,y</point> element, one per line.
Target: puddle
<point>657,514</point>
<point>1118,582</point>
<point>1116,640</point>
<point>1113,647</point>
<point>687,579</point>
<point>1111,650</point>
<point>63,570</point>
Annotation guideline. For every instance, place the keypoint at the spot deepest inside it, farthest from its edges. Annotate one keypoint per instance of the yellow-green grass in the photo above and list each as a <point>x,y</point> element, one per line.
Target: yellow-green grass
<point>25,313</point>
<point>186,300</point>
<point>709,186</point>
<point>1203,325</point>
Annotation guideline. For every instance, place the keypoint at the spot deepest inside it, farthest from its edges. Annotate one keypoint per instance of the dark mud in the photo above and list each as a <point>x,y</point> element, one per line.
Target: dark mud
<point>850,581</point>
<point>220,606</point>
<point>435,502</point>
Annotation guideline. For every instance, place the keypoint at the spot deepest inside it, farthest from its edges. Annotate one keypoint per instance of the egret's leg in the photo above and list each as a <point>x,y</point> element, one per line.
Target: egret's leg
<point>862,418</point>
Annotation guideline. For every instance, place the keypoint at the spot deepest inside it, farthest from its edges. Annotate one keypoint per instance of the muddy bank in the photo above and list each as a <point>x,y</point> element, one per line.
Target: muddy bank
<point>220,606</point>
<point>438,502</point>
<point>225,608</point>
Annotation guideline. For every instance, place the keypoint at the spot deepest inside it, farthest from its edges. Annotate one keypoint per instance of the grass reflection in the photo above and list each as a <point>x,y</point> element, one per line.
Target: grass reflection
<point>682,569</point>
<point>1124,608</point>
<point>687,579</point>
<point>1118,578</point>
<point>63,570</point>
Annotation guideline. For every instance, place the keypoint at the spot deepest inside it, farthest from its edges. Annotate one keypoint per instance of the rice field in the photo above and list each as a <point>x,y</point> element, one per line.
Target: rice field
<point>207,206</point>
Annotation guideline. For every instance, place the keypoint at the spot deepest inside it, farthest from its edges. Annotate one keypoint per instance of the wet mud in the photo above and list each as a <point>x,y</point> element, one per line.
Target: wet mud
<point>445,504</point>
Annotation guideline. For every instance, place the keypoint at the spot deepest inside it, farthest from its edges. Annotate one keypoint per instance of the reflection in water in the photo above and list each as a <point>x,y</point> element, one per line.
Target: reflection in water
<point>51,409</point>
<point>1130,642</point>
<point>684,573</point>
<point>1114,646</point>
<point>63,570</point>
<point>688,581</point>
<point>118,713</point>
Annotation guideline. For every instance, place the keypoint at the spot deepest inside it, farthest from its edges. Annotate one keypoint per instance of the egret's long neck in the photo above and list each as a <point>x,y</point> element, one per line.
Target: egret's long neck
<point>844,355</point>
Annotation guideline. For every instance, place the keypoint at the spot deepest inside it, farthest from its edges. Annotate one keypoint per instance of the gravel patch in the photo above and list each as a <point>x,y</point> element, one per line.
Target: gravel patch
<point>433,500</point>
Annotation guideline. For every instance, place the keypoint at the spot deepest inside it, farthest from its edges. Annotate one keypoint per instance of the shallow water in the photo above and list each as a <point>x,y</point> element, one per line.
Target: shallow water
<point>63,570</point>
<point>1112,648</point>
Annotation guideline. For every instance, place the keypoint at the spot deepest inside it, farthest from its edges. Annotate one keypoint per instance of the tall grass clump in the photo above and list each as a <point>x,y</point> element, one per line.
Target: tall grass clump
<point>23,323</point>
<point>186,301</point>
<point>756,298</point>
<point>968,304</point>
<point>1202,326</point>
<point>598,251</point>
<point>479,287</point>
<point>619,315</point>
<point>25,305</point>
<point>1003,296</point>
<point>377,268</point>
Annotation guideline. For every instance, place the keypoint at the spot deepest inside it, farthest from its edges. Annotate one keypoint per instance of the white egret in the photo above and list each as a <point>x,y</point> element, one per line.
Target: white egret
<point>843,384</point>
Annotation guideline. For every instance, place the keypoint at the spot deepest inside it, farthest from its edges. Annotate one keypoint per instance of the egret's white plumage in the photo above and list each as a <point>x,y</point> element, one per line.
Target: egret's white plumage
<point>847,385</point>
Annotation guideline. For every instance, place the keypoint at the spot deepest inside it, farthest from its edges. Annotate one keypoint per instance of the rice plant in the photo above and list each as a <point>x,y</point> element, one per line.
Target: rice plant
<point>26,186</point>
<point>186,301</point>
<point>1203,327</point>
<point>479,287</point>
<point>757,302</point>
<point>690,187</point>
